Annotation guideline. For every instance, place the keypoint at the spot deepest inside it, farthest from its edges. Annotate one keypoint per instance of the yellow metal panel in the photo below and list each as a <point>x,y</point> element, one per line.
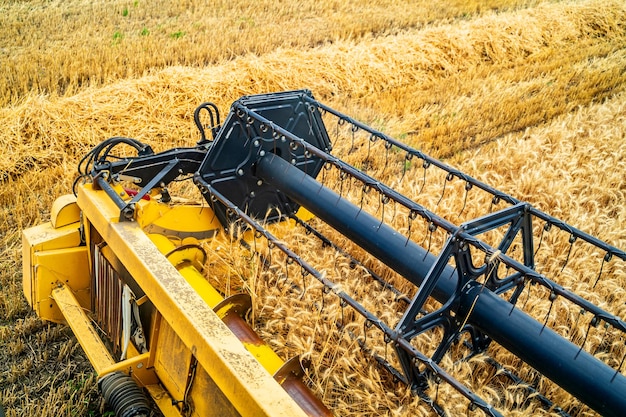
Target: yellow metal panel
<point>42,238</point>
<point>238,375</point>
<point>51,267</point>
<point>262,352</point>
<point>45,237</point>
<point>177,220</point>
<point>64,211</point>
<point>206,400</point>
<point>173,373</point>
<point>86,334</point>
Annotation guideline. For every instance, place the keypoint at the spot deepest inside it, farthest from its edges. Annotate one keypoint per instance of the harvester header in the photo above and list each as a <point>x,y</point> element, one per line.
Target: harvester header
<point>443,287</point>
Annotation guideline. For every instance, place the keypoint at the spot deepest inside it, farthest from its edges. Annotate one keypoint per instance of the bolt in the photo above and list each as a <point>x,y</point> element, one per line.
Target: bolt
<point>262,152</point>
<point>259,183</point>
<point>293,161</point>
<point>256,143</point>
<point>128,212</point>
<point>240,172</point>
<point>252,194</point>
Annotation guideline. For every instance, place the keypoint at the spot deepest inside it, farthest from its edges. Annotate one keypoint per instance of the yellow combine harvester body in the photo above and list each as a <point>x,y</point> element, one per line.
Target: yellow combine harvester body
<point>193,352</point>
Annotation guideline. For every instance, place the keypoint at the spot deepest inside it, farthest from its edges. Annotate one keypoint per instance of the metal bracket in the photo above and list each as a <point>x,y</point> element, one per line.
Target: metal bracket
<point>519,219</point>
<point>456,252</point>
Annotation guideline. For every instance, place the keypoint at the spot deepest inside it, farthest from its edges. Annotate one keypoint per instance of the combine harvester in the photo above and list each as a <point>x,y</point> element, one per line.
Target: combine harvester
<point>123,264</point>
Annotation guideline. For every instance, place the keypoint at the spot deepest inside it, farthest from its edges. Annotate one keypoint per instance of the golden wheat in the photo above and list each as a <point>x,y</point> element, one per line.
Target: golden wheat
<point>552,74</point>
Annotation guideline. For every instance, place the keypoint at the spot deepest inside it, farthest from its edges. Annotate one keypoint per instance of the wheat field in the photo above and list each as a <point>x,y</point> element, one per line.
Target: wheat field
<point>527,96</point>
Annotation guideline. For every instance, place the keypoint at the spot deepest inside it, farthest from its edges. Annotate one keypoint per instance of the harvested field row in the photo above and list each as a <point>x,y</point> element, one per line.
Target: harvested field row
<point>433,84</point>
<point>64,47</point>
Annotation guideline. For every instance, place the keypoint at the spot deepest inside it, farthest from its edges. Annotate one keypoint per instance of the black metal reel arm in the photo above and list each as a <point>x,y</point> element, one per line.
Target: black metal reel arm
<point>146,171</point>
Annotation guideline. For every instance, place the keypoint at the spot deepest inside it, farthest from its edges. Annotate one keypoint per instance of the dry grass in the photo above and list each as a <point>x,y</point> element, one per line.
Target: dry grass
<point>551,74</point>
<point>62,47</point>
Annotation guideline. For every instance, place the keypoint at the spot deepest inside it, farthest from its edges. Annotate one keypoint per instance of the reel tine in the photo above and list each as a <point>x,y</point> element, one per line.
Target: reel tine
<point>546,228</point>
<point>592,323</point>
<point>388,146</point>
<point>552,298</point>
<point>572,239</point>
<point>468,187</point>
<point>494,202</point>
<point>606,258</point>
<point>353,129</point>
<point>425,165</point>
<point>448,178</point>
<point>406,164</point>
<point>619,368</point>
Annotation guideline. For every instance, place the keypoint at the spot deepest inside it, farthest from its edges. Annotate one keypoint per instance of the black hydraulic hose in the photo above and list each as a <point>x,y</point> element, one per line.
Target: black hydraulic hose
<point>590,380</point>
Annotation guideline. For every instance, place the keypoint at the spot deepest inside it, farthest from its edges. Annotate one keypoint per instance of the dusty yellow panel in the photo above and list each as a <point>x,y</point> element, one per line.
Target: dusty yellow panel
<point>172,361</point>
<point>251,390</point>
<point>46,237</point>
<point>180,221</point>
<point>206,399</point>
<point>42,238</point>
<point>163,400</point>
<point>261,351</point>
<point>66,266</point>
